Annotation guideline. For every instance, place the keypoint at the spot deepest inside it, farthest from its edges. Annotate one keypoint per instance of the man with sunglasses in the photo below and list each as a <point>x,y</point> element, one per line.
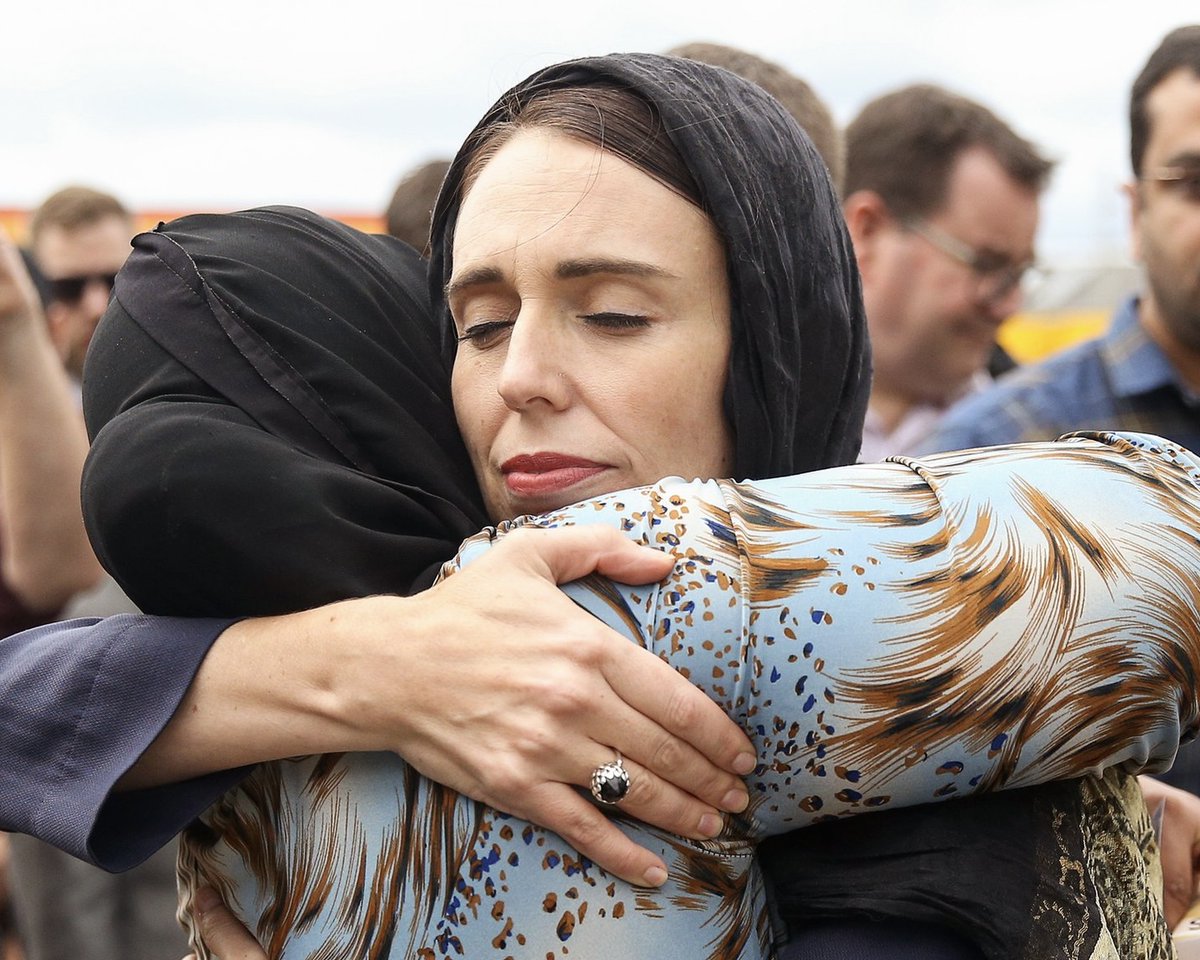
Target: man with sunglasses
<point>1144,373</point>
<point>941,199</point>
<point>64,909</point>
<point>80,238</point>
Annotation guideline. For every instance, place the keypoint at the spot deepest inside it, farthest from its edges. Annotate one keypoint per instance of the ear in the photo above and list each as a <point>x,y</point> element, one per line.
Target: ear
<point>868,220</point>
<point>1133,194</point>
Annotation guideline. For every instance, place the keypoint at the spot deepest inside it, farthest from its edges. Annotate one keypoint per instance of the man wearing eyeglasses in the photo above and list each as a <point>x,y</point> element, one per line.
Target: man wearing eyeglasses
<point>80,238</point>
<point>941,200</point>
<point>1144,373</point>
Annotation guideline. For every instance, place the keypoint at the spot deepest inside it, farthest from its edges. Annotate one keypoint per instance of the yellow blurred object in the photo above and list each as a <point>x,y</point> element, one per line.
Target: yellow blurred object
<point>1029,337</point>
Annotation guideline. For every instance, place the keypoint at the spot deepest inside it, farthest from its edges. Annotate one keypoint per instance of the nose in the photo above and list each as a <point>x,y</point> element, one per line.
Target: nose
<point>535,369</point>
<point>1002,307</point>
<point>94,299</point>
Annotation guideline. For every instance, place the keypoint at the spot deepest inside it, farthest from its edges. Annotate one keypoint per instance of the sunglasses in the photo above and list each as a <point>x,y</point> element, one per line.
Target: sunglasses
<point>70,289</point>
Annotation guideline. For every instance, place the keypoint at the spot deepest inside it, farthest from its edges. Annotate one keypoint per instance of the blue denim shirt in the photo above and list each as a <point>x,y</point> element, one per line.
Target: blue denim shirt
<point>1121,381</point>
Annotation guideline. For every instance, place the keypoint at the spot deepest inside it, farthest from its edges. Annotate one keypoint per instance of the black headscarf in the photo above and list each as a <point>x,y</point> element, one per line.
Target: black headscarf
<point>800,370</point>
<point>271,419</point>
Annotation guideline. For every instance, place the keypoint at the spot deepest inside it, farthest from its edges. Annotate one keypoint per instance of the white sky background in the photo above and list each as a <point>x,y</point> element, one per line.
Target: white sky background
<point>226,104</point>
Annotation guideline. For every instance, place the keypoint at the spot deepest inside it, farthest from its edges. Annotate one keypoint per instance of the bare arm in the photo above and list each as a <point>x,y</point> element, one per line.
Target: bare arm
<point>47,557</point>
<point>499,686</point>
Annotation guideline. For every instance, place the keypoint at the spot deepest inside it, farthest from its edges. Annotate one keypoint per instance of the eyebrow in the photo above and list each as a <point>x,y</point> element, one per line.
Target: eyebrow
<point>478,277</point>
<point>1187,159</point>
<point>573,269</point>
<point>566,270</point>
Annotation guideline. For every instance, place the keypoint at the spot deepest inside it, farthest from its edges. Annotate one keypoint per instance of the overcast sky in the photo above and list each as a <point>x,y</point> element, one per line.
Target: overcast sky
<point>232,103</point>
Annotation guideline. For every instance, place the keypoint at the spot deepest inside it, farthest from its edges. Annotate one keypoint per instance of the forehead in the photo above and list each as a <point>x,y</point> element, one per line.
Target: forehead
<point>544,191</point>
<point>1173,108</point>
<point>98,247</point>
<point>987,208</point>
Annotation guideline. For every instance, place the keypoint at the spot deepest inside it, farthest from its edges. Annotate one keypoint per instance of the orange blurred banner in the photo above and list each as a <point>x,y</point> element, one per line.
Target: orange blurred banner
<point>1028,337</point>
<point>16,220</point>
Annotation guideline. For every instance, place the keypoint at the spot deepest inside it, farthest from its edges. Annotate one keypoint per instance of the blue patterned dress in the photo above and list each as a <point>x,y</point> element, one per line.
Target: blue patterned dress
<point>888,634</point>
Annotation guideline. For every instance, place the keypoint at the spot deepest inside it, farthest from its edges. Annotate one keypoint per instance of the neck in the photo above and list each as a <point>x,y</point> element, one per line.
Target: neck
<point>1184,358</point>
<point>889,407</point>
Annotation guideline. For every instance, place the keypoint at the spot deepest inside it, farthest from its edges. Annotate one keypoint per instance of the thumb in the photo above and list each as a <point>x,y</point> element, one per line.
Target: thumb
<point>222,932</point>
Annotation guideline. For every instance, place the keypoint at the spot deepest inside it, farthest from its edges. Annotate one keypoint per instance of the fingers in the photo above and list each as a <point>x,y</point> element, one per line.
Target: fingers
<point>695,746</point>
<point>568,553</point>
<point>674,730</point>
<point>222,932</point>
<point>17,295</point>
<point>659,802</point>
<point>593,835</point>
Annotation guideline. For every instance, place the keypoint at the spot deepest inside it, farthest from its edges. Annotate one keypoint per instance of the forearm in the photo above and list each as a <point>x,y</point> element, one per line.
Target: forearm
<point>47,557</point>
<point>277,687</point>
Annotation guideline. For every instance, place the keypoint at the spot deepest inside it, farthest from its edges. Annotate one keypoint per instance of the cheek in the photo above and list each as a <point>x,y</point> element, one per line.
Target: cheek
<point>474,401</point>
<point>689,410</point>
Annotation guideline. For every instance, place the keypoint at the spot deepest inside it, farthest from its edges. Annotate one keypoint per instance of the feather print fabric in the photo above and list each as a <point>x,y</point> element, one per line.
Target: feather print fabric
<point>889,634</point>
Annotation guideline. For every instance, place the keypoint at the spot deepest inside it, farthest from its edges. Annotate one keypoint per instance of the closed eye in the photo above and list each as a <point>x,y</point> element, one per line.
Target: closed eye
<point>485,332</point>
<point>616,321</point>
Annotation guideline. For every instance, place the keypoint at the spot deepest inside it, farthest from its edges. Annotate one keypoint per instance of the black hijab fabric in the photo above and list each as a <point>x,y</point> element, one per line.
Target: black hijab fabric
<point>800,369</point>
<point>271,419</point>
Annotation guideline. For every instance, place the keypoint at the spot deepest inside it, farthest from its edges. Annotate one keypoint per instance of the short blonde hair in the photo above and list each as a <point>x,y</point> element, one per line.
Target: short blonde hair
<point>73,207</point>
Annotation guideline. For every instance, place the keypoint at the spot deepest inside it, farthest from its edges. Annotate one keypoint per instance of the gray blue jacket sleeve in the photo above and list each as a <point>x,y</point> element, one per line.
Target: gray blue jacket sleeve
<point>80,701</point>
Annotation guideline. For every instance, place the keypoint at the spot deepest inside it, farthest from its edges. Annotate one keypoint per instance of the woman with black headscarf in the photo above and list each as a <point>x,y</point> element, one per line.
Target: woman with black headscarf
<point>490,851</point>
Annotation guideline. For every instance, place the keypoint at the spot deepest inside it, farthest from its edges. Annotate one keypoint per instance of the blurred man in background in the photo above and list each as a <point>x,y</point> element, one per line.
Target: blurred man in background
<point>1144,374</point>
<point>411,209</point>
<point>79,239</point>
<point>941,199</point>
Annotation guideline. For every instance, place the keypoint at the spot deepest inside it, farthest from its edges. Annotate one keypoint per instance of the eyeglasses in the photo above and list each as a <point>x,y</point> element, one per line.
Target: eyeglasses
<point>70,289</point>
<point>995,276</point>
<point>1182,181</point>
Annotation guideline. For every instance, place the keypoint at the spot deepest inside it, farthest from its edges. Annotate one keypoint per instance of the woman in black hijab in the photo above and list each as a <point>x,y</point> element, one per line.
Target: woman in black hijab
<point>272,407</point>
<point>739,159</point>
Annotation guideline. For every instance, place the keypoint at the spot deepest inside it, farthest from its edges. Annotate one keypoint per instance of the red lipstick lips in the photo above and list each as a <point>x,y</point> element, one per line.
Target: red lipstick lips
<point>539,474</point>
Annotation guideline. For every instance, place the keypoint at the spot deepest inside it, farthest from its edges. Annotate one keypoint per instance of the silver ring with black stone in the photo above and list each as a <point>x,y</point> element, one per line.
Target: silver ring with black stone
<point>610,782</point>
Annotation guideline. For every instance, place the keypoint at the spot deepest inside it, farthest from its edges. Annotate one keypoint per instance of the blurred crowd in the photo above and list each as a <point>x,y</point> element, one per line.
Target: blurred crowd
<point>941,197</point>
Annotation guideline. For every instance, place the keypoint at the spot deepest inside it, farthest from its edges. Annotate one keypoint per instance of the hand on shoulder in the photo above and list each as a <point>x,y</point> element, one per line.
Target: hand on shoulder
<point>512,695</point>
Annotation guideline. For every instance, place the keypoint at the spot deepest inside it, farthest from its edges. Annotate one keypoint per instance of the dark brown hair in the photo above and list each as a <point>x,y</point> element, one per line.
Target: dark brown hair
<point>1180,49</point>
<point>611,117</point>
<point>411,207</point>
<point>74,207</point>
<point>797,97</point>
<point>904,144</point>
